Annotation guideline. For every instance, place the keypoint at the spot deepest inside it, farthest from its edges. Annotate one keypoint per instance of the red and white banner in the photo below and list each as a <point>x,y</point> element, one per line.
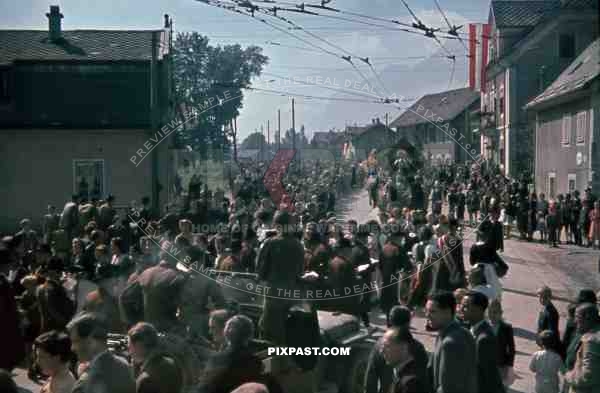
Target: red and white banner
<point>479,34</point>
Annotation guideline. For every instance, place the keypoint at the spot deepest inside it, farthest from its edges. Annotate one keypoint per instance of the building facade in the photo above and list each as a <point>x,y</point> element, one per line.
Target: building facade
<point>81,113</point>
<point>444,125</point>
<point>531,43</point>
<point>567,127</point>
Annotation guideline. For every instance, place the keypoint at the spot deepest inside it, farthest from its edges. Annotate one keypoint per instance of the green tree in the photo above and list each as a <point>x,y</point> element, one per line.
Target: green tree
<point>209,82</point>
<point>256,140</point>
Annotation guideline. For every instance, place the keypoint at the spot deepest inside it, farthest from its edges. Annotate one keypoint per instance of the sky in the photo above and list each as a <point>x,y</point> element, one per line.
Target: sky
<point>298,68</point>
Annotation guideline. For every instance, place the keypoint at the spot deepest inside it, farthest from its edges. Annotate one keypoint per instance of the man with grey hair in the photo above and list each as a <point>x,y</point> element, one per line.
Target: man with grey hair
<point>585,376</point>
<point>239,330</point>
<point>236,364</point>
<point>102,372</point>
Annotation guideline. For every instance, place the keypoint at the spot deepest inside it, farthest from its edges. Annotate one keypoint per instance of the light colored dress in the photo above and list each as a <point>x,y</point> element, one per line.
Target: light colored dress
<point>60,383</point>
<point>546,366</point>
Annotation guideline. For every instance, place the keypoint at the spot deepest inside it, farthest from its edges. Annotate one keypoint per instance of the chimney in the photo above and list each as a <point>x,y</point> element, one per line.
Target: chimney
<point>54,28</point>
<point>377,120</point>
<point>373,120</point>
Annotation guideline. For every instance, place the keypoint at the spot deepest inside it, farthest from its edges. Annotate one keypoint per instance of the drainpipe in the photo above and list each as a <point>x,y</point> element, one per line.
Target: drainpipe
<point>154,123</point>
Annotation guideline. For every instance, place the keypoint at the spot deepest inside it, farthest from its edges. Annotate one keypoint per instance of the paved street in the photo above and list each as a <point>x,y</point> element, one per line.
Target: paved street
<point>565,270</point>
<point>532,265</point>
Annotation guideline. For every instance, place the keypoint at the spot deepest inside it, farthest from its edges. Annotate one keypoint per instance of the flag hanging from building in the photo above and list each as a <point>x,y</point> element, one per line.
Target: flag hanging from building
<point>479,38</point>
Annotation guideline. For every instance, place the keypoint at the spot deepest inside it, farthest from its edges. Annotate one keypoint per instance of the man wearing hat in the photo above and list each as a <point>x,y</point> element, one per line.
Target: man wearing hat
<point>106,213</point>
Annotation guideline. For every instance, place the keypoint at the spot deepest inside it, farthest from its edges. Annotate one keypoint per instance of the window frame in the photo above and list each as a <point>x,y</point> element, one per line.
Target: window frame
<point>574,47</point>
<point>6,83</point>
<point>566,137</point>
<point>550,176</point>
<point>571,177</point>
<point>82,162</point>
<point>581,126</point>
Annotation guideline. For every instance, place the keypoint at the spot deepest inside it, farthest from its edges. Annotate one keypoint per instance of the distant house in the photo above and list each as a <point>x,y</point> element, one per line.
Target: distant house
<point>424,124</point>
<point>324,139</point>
<point>374,136</point>
<point>568,127</point>
<point>531,43</point>
<point>81,113</point>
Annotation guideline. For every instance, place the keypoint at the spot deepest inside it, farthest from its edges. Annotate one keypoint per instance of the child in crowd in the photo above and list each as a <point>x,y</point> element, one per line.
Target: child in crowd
<point>547,363</point>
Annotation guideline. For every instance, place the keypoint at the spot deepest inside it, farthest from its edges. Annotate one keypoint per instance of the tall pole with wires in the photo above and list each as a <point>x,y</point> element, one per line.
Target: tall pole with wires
<point>293,126</point>
<point>278,129</point>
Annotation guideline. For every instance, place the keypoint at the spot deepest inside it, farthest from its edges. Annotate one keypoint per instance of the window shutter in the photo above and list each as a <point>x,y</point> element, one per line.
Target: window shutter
<point>566,129</point>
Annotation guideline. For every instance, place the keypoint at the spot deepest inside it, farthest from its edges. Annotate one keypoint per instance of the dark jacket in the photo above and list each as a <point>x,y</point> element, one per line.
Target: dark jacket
<point>506,345</point>
<point>412,373</point>
<point>162,287</point>
<point>378,376</point>
<point>159,374</point>
<point>107,373</point>
<point>450,375</point>
<point>229,369</point>
<point>548,319</point>
<point>449,272</point>
<point>488,371</point>
<point>11,339</point>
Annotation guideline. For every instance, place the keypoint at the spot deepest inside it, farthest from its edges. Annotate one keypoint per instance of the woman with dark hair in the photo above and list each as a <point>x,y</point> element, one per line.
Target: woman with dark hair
<point>53,354</point>
<point>484,252</point>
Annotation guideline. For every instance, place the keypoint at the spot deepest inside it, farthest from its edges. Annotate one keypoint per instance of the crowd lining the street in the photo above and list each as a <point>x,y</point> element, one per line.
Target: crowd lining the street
<point>91,274</point>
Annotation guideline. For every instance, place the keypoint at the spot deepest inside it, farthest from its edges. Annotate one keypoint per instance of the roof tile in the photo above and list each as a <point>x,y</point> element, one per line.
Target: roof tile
<point>447,105</point>
<point>94,45</point>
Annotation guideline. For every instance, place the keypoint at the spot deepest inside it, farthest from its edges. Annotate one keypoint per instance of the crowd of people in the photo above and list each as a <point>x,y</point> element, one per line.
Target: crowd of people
<point>91,274</point>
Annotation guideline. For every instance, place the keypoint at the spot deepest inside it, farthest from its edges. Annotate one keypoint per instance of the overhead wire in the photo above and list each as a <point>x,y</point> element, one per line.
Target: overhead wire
<point>453,30</point>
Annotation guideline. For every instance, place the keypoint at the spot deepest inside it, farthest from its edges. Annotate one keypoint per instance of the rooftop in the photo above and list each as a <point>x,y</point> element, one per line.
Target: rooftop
<point>447,105</point>
<point>76,45</point>
<point>576,76</point>
<point>522,13</point>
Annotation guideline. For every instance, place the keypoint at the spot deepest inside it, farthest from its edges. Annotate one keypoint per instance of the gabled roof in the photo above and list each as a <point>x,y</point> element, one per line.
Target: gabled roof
<point>355,130</point>
<point>521,13</point>
<point>372,127</point>
<point>447,105</point>
<point>325,137</point>
<point>576,76</point>
<point>82,45</point>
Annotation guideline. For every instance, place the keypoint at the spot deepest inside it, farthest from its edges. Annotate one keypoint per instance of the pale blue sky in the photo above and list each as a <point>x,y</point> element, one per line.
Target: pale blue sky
<point>408,78</point>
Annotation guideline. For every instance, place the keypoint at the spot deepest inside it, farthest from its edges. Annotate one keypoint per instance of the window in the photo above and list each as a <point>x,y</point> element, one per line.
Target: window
<point>88,178</point>
<point>4,86</point>
<point>572,182</point>
<point>551,185</point>
<point>566,129</point>
<point>566,46</point>
<point>581,127</point>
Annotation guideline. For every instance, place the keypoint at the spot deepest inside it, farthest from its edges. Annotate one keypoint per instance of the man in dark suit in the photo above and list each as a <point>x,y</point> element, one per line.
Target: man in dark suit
<point>104,372</point>
<point>453,363</point>
<point>162,287</point>
<point>156,372</point>
<point>379,376</point>
<point>548,318</point>
<point>280,264</point>
<point>236,364</point>
<point>408,359</point>
<point>474,305</point>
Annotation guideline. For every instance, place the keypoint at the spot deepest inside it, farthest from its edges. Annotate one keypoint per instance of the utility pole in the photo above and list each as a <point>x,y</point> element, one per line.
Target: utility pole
<point>386,119</point>
<point>293,126</point>
<point>278,129</point>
